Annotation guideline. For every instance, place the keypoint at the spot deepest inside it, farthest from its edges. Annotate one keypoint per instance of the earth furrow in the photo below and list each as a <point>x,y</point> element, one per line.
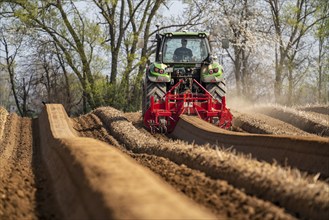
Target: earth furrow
<point>217,195</point>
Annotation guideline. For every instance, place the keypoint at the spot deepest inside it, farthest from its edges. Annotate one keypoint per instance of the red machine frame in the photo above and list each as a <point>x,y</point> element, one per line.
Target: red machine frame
<point>163,115</point>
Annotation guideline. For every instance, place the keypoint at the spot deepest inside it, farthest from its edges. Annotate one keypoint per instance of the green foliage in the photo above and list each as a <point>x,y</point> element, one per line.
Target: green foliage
<point>89,46</point>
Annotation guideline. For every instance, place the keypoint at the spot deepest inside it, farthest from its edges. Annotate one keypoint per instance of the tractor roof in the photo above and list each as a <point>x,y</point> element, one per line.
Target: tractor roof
<point>185,33</point>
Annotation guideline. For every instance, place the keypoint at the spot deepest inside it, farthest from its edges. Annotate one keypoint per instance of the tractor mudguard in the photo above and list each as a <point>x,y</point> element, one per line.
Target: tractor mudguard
<point>158,78</point>
<point>212,73</point>
<point>156,72</point>
<point>211,79</point>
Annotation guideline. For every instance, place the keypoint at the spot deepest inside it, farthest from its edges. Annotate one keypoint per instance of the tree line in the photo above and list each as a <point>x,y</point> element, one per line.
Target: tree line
<point>86,54</point>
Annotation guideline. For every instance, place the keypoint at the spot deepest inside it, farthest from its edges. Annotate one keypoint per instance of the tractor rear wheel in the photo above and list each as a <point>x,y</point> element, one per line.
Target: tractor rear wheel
<point>155,89</point>
<point>217,90</point>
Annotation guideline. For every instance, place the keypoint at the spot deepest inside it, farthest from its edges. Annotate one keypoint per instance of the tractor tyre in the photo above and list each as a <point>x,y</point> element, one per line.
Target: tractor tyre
<point>217,90</point>
<point>155,89</point>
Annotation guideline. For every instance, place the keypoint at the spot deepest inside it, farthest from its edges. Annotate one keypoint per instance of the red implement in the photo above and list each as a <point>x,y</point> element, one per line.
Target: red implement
<point>163,115</point>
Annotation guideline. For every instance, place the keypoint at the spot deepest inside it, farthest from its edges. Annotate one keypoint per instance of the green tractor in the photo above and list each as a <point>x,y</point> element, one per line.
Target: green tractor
<point>184,79</point>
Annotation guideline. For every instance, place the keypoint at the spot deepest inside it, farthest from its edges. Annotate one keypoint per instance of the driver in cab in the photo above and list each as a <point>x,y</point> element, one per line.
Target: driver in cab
<point>183,53</point>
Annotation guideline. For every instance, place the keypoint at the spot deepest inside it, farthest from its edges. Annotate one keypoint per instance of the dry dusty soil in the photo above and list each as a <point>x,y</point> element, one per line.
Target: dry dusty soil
<point>314,121</point>
<point>105,165</point>
<point>25,191</point>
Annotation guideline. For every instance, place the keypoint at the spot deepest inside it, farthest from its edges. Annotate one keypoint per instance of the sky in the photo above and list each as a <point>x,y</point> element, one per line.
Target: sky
<point>175,7</point>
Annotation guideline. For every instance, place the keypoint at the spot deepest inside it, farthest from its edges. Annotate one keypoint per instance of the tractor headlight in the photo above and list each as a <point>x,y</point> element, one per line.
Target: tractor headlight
<point>202,35</point>
<point>158,70</point>
<point>214,70</point>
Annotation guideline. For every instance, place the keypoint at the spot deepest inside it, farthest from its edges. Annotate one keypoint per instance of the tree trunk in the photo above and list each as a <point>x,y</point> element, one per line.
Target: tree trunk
<point>290,100</point>
<point>321,41</point>
<point>279,65</point>
<point>237,70</point>
<point>12,79</point>
<point>68,104</point>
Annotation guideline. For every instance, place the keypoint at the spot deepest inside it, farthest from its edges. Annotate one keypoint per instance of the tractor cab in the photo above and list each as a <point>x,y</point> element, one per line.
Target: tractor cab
<point>183,48</point>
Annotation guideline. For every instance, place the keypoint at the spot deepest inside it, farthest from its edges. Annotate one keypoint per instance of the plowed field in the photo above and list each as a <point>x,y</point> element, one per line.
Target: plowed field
<point>25,192</point>
<point>105,165</point>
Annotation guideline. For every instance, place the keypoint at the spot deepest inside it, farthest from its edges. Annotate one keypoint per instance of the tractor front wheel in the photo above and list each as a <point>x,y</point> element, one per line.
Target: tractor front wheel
<point>217,90</point>
<point>155,89</point>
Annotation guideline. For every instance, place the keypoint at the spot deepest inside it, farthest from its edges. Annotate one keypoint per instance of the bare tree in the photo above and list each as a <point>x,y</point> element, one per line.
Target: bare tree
<point>64,24</point>
<point>292,21</point>
<point>322,34</point>
<point>10,56</point>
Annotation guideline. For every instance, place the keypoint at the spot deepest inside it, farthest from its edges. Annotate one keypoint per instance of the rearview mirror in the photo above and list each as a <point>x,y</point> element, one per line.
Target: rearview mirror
<point>212,38</point>
<point>140,43</point>
<point>225,43</point>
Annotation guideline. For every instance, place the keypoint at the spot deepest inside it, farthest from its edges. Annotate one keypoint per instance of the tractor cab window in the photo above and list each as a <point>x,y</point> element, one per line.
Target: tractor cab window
<point>184,50</point>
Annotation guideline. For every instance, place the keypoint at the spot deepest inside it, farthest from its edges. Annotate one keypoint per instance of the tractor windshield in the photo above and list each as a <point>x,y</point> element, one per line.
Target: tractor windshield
<point>185,50</point>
